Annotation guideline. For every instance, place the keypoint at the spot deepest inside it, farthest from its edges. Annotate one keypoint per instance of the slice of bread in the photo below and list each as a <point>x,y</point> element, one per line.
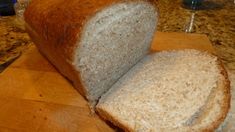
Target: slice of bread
<point>184,90</point>
<point>92,43</point>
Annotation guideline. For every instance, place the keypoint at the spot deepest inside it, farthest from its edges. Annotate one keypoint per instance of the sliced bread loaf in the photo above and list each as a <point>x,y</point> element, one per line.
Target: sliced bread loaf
<point>92,42</point>
<point>169,91</point>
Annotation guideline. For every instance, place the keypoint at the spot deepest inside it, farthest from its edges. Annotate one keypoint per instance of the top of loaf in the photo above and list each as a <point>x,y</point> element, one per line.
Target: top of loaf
<point>61,22</point>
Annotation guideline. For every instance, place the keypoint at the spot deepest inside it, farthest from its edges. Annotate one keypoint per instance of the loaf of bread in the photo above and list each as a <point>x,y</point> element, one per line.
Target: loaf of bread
<point>101,46</point>
<point>170,91</point>
<point>92,42</point>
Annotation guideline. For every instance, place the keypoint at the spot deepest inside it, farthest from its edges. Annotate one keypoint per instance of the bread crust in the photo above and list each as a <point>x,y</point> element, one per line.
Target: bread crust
<point>216,121</point>
<point>56,30</point>
<point>226,100</point>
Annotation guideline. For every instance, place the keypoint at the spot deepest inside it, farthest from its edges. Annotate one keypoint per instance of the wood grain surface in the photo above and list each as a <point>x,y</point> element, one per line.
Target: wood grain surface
<point>34,97</point>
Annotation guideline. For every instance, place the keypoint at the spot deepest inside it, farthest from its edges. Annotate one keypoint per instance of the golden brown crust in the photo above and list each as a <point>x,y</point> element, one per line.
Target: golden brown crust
<point>226,100</point>
<point>55,26</point>
<point>225,105</point>
<point>65,68</point>
<point>216,122</point>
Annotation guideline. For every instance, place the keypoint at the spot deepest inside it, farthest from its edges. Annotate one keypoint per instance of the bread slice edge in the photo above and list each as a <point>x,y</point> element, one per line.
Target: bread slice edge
<point>225,89</point>
<point>225,106</point>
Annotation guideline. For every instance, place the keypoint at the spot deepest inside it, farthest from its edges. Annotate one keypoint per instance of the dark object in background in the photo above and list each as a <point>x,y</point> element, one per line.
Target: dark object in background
<point>7,7</point>
<point>192,4</point>
<point>202,4</point>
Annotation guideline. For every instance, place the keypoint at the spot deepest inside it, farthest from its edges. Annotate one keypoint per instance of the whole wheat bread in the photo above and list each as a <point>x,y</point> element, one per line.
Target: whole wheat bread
<point>92,42</point>
<point>96,43</point>
<point>169,91</point>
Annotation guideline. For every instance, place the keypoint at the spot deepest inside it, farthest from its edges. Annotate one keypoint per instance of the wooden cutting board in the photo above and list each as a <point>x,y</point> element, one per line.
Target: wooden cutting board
<point>35,97</point>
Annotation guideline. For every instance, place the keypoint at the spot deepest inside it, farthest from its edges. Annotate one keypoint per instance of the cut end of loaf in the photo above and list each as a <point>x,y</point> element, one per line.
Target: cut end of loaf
<point>113,41</point>
<point>169,91</point>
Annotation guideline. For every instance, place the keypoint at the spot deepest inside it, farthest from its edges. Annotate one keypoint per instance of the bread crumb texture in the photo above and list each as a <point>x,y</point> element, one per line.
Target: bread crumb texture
<point>164,91</point>
<point>114,40</point>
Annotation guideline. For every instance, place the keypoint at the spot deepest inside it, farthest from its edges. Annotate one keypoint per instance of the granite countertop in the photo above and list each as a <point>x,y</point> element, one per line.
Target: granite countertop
<point>218,24</point>
<point>13,40</point>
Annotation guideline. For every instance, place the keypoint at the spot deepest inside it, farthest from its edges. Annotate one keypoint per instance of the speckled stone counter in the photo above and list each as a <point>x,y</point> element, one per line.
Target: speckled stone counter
<point>13,40</point>
<point>218,24</point>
